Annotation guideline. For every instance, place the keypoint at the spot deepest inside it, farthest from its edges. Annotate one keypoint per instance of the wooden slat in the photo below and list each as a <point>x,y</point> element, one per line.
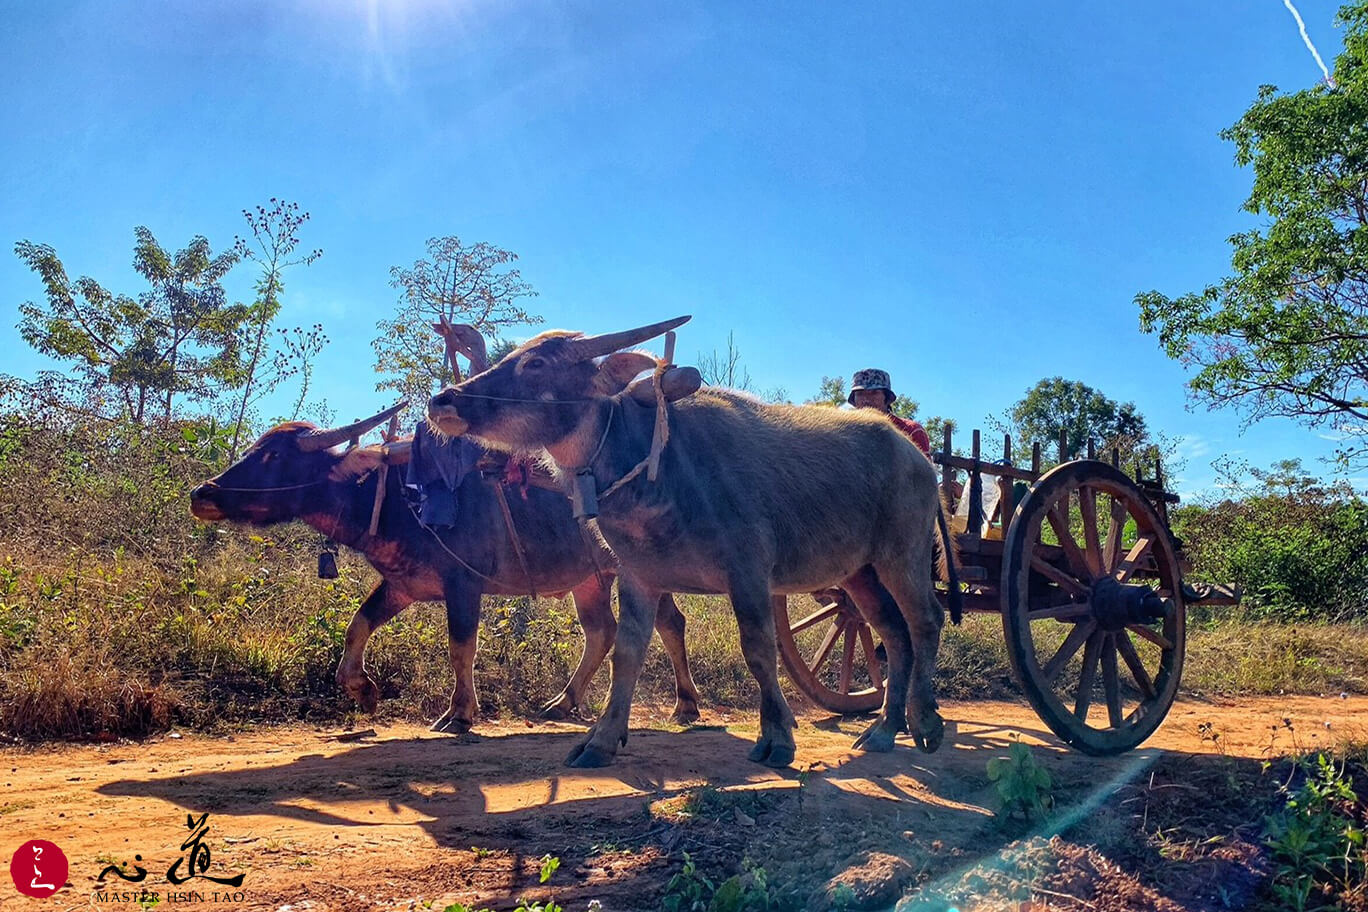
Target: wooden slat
<point>947,473</point>
<point>1111,684</point>
<point>1072,553</point>
<point>1068,649</point>
<point>1086,677</point>
<point>1134,663</point>
<point>1092,547</point>
<point>828,644</point>
<point>816,617</point>
<point>968,465</point>
<point>847,658</point>
<point>1134,558</point>
<point>1059,577</point>
<point>975,491</point>
<point>1062,612</point>
<point>1158,639</point>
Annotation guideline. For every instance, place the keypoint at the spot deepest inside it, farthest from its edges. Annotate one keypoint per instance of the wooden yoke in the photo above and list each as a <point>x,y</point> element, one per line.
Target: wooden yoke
<point>391,434</point>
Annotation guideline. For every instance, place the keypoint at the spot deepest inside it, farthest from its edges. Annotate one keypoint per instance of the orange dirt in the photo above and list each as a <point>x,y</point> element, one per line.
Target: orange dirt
<point>407,817</point>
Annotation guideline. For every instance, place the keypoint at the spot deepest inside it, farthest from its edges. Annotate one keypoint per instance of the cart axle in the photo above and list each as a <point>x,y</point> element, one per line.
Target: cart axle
<point>1115,605</point>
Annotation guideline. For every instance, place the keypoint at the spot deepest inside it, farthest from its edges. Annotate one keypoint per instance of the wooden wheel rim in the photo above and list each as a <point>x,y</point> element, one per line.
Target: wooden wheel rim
<point>853,647</point>
<point>1155,563</point>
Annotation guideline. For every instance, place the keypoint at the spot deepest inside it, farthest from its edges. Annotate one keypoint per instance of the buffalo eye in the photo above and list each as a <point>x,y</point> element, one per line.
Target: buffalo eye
<point>534,364</point>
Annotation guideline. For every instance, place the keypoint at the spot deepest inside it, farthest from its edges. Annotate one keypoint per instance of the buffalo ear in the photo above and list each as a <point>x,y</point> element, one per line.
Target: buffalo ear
<point>356,462</point>
<point>618,370</point>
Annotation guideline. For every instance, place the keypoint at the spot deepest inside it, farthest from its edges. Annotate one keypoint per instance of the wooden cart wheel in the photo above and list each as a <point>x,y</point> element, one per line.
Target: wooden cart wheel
<point>1092,607</point>
<point>829,652</point>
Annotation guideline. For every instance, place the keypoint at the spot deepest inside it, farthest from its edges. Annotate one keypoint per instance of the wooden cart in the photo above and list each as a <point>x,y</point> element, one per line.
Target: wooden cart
<point>1080,563</point>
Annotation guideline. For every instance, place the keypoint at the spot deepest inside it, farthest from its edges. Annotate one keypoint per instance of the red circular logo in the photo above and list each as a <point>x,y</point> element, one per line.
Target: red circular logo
<point>39,868</point>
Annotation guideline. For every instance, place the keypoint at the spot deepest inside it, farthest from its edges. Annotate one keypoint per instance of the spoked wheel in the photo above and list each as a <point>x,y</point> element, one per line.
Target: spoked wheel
<point>829,653</point>
<point>1093,607</point>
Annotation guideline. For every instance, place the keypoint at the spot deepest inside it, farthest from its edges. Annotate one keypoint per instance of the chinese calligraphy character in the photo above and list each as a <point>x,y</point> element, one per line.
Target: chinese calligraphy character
<point>119,872</point>
<point>197,862</point>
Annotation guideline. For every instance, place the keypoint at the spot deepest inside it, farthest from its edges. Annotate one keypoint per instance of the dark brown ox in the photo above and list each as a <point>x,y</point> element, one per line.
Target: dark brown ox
<point>294,472</point>
<point>751,500</point>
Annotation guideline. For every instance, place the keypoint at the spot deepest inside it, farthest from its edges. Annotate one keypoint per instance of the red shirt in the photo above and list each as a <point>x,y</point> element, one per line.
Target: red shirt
<point>914,431</point>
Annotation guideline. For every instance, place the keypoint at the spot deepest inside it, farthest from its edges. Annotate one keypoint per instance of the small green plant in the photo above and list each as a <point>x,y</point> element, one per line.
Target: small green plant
<point>1316,843</point>
<point>481,852</point>
<point>1022,784</point>
<point>688,891</point>
<point>549,864</point>
<point>692,891</point>
<point>745,892</point>
<point>548,906</point>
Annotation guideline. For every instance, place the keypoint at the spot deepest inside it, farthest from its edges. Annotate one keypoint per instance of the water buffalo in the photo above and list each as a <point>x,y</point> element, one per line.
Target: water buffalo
<point>295,472</point>
<point>750,500</point>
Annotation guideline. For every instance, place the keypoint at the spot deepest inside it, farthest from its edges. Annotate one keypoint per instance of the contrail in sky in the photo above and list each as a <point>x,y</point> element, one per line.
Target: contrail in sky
<point>1306,39</point>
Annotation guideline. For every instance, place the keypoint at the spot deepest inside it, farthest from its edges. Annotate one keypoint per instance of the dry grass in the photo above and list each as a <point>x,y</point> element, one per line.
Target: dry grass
<point>1261,658</point>
<point>243,632</point>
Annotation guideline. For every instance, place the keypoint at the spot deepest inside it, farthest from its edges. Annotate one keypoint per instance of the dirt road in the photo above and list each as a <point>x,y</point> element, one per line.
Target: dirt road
<point>406,818</point>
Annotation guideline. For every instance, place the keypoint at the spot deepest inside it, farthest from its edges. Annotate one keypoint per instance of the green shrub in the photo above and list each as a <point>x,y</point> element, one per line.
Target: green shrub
<point>1298,556</point>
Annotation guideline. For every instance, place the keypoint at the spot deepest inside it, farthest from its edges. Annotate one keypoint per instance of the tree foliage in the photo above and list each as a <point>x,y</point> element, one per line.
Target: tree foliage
<point>1286,333</point>
<point>1055,404</point>
<point>1297,547</point>
<point>133,356</point>
<point>275,237</point>
<point>465,283</point>
<point>831,391</point>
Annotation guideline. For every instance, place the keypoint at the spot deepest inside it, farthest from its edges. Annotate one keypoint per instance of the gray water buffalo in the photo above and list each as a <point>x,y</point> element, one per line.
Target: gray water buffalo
<point>751,500</point>
<point>296,471</point>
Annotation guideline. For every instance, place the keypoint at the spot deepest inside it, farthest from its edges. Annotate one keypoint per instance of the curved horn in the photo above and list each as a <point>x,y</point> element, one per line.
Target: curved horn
<point>318,439</point>
<point>593,346</point>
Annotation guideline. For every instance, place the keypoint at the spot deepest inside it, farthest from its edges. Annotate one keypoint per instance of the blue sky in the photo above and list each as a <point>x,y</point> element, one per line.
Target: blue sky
<point>968,195</point>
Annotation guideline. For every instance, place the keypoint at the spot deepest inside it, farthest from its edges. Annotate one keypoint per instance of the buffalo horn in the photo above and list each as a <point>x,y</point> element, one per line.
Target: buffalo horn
<point>593,346</point>
<point>318,439</point>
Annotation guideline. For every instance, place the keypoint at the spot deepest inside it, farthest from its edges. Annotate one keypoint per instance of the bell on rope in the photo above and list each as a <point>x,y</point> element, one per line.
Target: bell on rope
<point>327,565</point>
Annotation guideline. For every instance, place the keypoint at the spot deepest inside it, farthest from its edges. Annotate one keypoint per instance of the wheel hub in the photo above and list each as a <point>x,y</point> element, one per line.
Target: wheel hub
<point>1115,605</point>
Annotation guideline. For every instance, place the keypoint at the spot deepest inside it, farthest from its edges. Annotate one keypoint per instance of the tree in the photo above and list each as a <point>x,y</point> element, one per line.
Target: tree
<point>1286,333</point>
<point>725,369</point>
<point>275,236</point>
<point>831,391</point>
<point>1055,404</point>
<point>465,284</point>
<point>179,338</point>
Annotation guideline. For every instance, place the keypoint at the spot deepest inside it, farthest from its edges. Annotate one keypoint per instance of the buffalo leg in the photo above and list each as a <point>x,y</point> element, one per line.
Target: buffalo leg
<point>754,609</point>
<point>384,602</point>
<point>594,608</point>
<point>925,617</point>
<point>670,625</point>
<point>881,611</point>
<point>636,617</point>
<point>463,632</point>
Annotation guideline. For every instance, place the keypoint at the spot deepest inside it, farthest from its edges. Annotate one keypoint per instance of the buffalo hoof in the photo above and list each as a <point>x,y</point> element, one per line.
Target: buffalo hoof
<point>930,733</point>
<point>685,713</point>
<point>776,755</point>
<point>559,709</point>
<point>587,756</point>
<point>367,694</point>
<point>878,738</point>
<point>451,725</point>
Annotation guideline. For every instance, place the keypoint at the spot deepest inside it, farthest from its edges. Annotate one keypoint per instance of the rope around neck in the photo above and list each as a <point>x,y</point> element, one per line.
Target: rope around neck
<point>659,438</point>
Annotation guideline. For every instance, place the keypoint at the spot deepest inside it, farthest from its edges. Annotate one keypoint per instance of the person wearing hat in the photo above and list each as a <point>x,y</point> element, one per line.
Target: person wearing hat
<point>871,388</point>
